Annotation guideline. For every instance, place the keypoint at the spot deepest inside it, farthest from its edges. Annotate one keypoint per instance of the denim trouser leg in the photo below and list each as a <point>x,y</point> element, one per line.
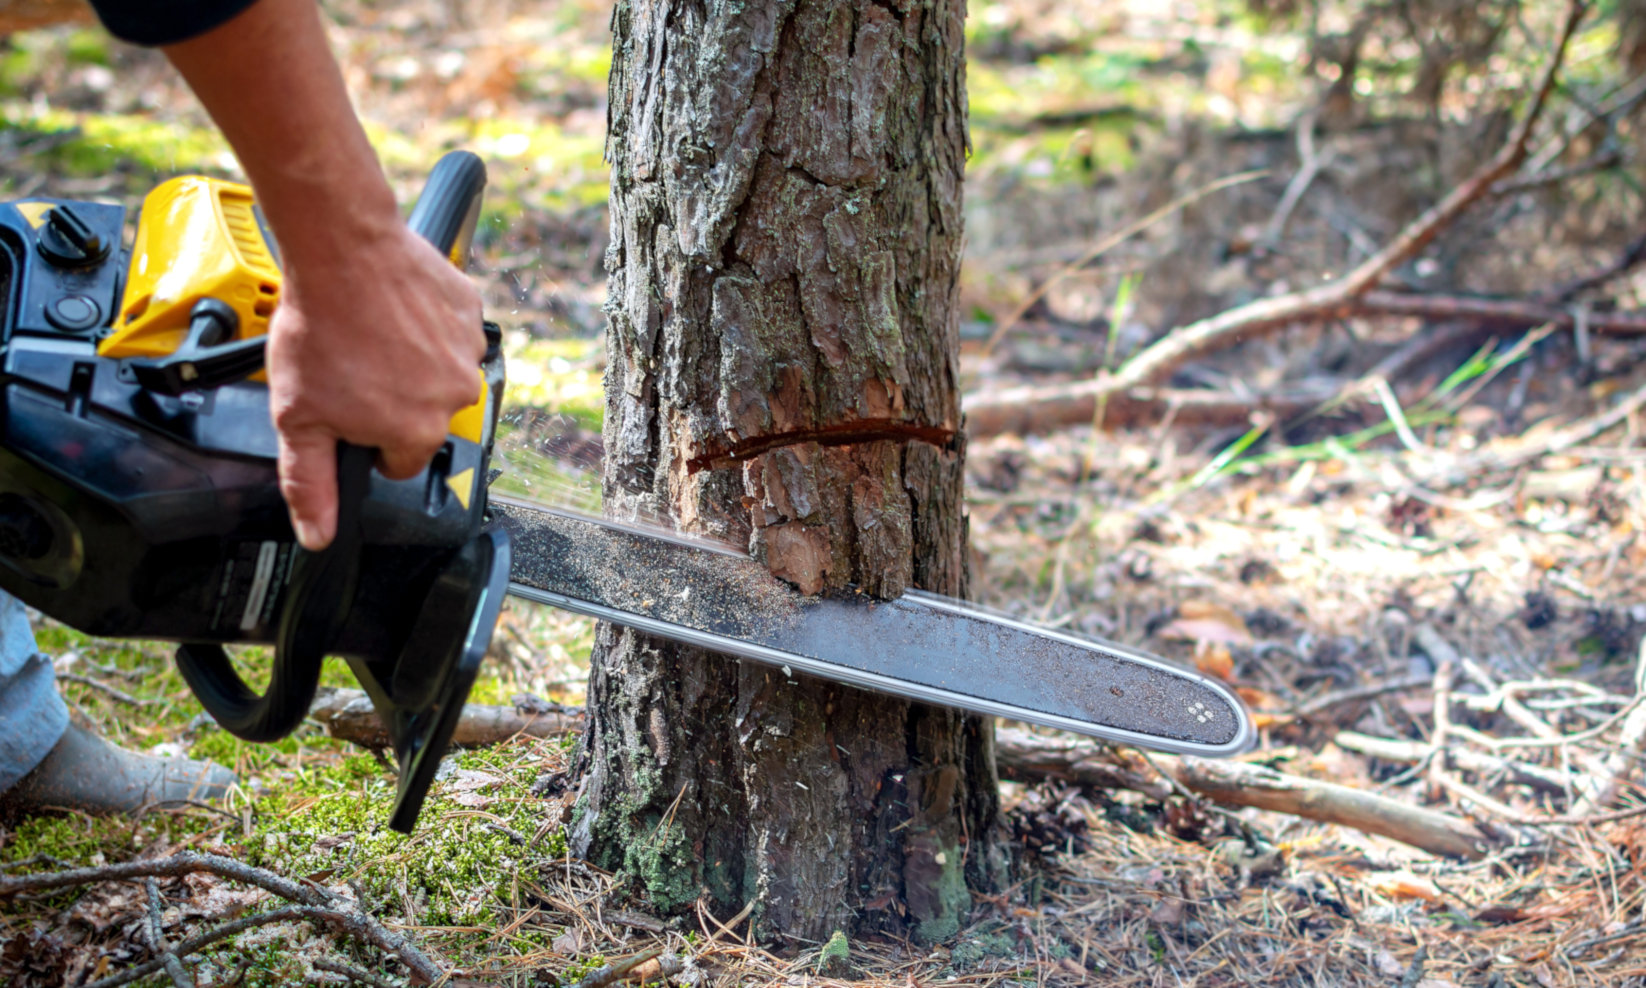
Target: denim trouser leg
<point>32,715</point>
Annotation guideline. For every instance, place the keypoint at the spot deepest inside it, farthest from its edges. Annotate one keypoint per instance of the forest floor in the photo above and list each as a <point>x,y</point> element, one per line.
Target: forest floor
<point>1440,551</point>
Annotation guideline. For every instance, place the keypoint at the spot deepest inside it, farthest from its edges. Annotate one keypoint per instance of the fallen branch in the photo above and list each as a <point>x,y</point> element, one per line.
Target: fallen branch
<point>1507,313</point>
<point>1353,294</point>
<point>348,714</point>
<point>1268,314</point>
<point>320,905</point>
<point>1030,410</point>
<point>1310,164</point>
<point>1242,784</point>
<point>352,973</point>
<point>1029,757</point>
<point>606,974</point>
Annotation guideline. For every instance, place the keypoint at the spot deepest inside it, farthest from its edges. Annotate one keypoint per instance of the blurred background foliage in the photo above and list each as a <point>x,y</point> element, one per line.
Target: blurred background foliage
<point>1086,115</point>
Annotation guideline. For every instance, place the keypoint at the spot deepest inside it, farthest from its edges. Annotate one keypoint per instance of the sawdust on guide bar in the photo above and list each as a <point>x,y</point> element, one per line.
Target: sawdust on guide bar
<point>942,645</point>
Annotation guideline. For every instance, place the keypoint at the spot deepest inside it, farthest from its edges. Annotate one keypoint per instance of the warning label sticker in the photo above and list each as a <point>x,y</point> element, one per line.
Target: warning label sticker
<point>254,580</point>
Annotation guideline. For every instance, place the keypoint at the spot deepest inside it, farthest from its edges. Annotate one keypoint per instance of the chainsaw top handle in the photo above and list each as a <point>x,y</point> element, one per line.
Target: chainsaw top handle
<point>323,584</point>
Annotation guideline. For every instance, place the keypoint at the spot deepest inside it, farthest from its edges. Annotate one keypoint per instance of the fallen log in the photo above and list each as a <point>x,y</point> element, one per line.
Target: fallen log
<point>348,714</point>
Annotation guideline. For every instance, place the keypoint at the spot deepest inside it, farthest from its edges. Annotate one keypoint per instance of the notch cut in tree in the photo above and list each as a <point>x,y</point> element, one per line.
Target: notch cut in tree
<point>786,229</point>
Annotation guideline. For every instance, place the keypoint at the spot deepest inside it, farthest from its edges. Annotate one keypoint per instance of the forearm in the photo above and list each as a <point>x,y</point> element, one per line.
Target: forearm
<point>268,79</point>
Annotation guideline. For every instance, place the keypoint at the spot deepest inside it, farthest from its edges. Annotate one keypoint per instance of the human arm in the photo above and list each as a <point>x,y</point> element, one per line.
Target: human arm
<point>377,338</point>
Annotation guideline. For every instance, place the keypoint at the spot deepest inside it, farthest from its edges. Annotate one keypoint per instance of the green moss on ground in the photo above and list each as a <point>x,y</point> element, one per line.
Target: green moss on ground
<point>952,895</point>
<point>472,842</point>
<point>317,808</point>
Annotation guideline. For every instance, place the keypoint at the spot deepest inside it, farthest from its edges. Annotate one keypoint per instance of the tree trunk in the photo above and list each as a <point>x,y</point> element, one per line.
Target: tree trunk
<point>786,226</point>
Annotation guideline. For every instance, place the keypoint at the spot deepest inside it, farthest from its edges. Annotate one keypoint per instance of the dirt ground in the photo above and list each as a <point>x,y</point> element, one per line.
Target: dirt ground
<point>1444,558</point>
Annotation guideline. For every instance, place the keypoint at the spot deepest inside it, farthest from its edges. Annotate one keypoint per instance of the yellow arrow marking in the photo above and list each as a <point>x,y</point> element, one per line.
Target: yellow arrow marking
<point>462,485</point>
<point>34,212</point>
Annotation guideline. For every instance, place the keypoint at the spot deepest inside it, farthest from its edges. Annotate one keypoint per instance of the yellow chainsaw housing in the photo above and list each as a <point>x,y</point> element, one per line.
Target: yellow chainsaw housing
<point>201,238</point>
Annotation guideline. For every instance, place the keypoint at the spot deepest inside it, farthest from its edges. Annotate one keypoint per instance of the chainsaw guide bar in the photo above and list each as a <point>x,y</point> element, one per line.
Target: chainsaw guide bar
<point>920,646</point>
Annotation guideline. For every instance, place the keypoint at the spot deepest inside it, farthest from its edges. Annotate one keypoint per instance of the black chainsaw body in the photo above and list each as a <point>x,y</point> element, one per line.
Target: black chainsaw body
<point>130,512</point>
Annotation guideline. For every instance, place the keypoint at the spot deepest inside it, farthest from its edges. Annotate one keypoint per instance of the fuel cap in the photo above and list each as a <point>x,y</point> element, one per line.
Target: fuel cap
<point>68,241</point>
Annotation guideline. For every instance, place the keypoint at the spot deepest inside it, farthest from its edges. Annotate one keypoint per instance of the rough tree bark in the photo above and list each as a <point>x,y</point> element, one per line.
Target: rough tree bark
<point>786,224</point>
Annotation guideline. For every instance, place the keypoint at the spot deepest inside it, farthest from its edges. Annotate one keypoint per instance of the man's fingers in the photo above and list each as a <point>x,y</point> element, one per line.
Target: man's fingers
<point>402,462</point>
<point>308,481</point>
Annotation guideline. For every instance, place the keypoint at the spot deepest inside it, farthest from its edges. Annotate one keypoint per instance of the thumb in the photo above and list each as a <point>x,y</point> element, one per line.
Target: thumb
<point>308,482</point>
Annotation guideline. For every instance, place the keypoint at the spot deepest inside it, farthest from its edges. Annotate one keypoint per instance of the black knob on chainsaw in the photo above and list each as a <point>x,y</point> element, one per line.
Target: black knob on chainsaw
<point>24,531</point>
<point>68,241</point>
<point>208,358</point>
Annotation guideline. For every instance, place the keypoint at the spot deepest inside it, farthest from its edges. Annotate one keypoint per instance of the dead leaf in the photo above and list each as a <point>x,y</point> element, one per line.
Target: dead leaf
<point>1167,912</point>
<point>1405,885</point>
<point>1213,659</point>
<point>569,943</point>
<point>471,780</point>
<point>1202,621</point>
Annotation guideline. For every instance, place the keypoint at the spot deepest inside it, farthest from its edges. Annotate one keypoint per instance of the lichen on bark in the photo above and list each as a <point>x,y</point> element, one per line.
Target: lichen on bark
<point>786,223</point>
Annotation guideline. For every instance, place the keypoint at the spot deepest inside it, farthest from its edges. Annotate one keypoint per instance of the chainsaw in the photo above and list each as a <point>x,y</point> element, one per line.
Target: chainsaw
<point>139,499</point>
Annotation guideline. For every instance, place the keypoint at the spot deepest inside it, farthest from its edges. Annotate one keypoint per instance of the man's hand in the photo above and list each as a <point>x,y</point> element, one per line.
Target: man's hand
<point>377,339</point>
<point>377,346</point>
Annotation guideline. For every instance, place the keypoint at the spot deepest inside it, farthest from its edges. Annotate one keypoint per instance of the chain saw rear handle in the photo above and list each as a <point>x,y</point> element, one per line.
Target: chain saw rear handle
<point>323,584</point>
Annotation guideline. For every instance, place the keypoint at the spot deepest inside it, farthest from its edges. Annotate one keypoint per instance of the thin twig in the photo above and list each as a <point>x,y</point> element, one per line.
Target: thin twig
<point>1321,704</point>
<point>114,692</point>
<point>1605,779</point>
<point>201,940</point>
<point>1467,759</point>
<point>1311,163</point>
<point>324,906</point>
<point>352,973</point>
<point>1113,240</point>
<point>1444,671</point>
<point>157,939</point>
<point>605,974</point>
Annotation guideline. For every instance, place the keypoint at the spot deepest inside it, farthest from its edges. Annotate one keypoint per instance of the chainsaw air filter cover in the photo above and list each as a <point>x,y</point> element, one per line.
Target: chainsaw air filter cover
<point>138,489</point>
